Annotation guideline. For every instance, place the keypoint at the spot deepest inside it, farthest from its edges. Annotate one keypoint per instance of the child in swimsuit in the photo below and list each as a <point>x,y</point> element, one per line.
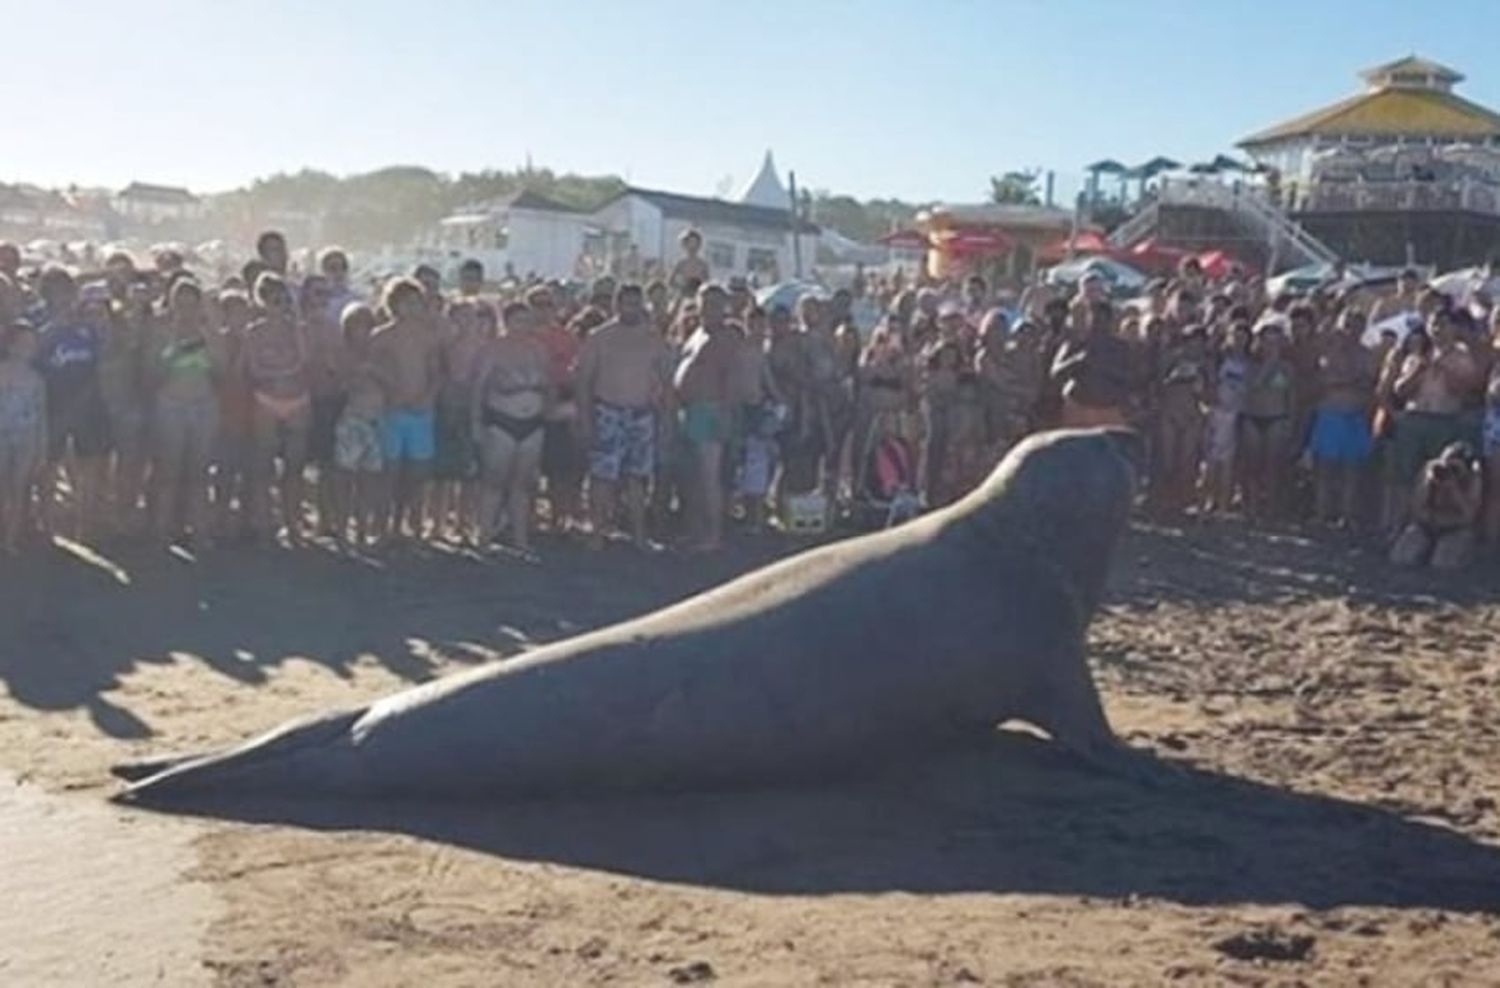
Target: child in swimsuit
<point>357,445</point>
<point>23,430</point>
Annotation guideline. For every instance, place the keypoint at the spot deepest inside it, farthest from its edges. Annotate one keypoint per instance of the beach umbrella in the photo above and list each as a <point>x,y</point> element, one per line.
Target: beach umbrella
<point>1158,165</point>
<point>1087,242</point>
<point>1400,324</point>
<point>1124,280</point>
<point>1216,263</point>
<point>1460,285</point>
<point>1204,168</point>
<point>1225,163</point>
<point>787,294</point>
<point>974,243</point>
<point>911,239</point>
<point>1083,242</point>
<point>1300,281</point>
<point>1106,166</point>
<point>1154,256</point>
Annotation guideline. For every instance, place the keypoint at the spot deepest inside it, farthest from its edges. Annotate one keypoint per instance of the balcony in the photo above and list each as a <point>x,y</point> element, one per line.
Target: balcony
<point>1359,196</point>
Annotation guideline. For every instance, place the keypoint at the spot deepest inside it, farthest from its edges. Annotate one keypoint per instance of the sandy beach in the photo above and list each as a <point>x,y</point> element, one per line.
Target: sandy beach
<point>1336,722</point>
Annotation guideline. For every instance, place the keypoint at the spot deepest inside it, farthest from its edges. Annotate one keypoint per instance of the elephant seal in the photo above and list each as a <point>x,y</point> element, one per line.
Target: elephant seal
<point>858,650</point>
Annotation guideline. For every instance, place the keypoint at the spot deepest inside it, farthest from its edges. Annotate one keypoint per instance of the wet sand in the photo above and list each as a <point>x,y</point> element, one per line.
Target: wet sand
<point>1336,723</point>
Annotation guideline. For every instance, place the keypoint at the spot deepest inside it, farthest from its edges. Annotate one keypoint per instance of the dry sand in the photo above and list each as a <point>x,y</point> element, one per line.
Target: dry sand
<point>1337,824</point>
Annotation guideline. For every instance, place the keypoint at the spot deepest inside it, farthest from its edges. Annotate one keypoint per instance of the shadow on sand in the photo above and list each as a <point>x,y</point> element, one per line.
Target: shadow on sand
<point>1011,815</point>
<point>1217,562</point>
<point>72,623</point>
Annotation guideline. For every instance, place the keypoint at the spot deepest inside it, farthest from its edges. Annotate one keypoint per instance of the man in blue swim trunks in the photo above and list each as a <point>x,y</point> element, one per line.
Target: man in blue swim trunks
<point>705,392</point>
<point>1340,441</point>
<point>405,353</point>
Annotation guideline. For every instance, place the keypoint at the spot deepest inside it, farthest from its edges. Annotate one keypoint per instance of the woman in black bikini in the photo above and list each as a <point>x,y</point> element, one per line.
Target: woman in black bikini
<point>1266,423</point>
<point>511,399</point>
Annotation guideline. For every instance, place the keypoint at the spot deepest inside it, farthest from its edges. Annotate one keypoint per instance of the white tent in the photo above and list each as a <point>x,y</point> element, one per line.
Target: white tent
<point>765,189</point>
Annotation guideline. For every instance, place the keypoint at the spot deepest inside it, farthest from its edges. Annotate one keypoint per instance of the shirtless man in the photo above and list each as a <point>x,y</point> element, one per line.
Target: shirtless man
<point>1093,368</point>
<point>406,351</point>
<point>455,467</point>
<point>127,327</point>
<point>327,371</point>
<point>562,460</point>
<point>274,359</point>
<point>705,392</point>
<point>509,401</point>
<point>691,270</point>
<point>621,383</point>
<point>235,444</point>
<point>1402,303</point>
<point>431,282</point>
<point>800,440</point>
<point>333,265</point>
<point>1341,442</point>
<point>1431,387</point>
<point>760,416</point>
<point>659,301</point>
<point>470,279</point>
<point>270,247</point>
<point>830,404</point>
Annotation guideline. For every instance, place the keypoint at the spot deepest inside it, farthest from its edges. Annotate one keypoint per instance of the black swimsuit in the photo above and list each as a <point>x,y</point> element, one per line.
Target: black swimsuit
<point>1263,423</point>
<point>519,429</point>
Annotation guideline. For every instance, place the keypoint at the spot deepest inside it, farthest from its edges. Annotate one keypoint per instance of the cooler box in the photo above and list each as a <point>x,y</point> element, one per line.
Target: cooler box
<point>805,514</point>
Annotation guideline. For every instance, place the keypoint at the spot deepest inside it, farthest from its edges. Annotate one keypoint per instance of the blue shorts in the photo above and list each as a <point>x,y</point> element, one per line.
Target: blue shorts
<point>624,442</point>
<point>408,435</point>
<point>1341,437</point>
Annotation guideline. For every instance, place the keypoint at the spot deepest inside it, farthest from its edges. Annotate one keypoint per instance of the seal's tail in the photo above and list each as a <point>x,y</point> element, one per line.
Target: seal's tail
<point>295,755</point>
<point>144,768</point>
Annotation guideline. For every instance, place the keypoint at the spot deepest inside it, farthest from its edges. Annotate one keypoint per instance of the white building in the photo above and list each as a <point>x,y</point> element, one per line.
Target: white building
<point>738,238</point>
<point>147,203</point>
<point>526,231</point>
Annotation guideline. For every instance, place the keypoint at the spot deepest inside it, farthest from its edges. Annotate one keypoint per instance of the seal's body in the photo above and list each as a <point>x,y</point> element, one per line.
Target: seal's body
<point>891,642</point>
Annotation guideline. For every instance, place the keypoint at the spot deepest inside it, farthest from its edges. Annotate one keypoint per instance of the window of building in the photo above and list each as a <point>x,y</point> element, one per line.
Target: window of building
<point>720,255</point>
<point>760,259</point>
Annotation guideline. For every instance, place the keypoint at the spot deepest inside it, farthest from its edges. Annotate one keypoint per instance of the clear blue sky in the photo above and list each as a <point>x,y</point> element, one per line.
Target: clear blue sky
<point>921,99</point>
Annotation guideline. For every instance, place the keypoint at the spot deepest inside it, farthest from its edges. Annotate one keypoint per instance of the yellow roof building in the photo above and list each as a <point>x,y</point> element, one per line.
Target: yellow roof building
<point>1410,98</point>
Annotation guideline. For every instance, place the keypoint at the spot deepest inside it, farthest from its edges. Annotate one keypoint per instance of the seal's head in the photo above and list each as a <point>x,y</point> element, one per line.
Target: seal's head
<point>1066,495</point>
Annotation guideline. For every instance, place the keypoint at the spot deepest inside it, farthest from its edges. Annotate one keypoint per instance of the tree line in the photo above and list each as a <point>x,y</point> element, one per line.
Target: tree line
<point>401,203</point>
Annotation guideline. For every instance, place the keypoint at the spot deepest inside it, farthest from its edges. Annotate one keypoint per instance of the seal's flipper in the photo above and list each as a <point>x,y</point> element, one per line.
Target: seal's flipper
<point>1066,702</point>
<point>293,753</point>
<point>144,768</point>
<point>1134,765</point>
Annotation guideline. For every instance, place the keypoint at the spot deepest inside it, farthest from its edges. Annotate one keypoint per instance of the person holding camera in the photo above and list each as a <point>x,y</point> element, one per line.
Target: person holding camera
<point>1444,512</point>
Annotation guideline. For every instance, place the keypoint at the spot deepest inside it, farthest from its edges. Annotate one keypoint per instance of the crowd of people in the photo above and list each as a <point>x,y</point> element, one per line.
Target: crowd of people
<point>142,401</point>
